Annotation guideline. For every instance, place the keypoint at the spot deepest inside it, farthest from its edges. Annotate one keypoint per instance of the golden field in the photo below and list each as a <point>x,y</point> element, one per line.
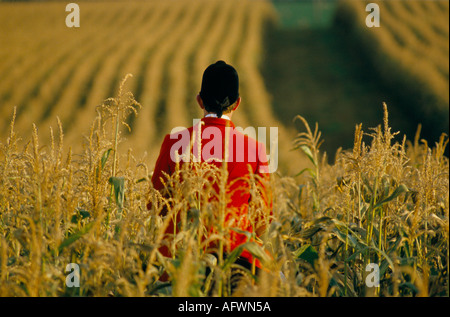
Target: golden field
<point>74,187</point>
<point>66,72</point>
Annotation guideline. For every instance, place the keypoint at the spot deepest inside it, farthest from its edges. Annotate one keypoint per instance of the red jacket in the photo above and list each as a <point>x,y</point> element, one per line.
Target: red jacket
<point>244,153</point>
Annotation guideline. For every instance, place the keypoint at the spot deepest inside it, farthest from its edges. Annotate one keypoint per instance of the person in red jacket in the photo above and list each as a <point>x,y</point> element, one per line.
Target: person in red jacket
<point>222,143</point>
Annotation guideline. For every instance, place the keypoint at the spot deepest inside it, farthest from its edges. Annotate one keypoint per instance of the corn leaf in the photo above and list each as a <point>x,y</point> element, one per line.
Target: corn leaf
<point>397,192</point>
<point>74,237</point>
<point>307,253</point>
<point>257,251</point>
<point>105,157</point>
<point>308,153</point>
<point>232,257</point>
<point>119,189</point>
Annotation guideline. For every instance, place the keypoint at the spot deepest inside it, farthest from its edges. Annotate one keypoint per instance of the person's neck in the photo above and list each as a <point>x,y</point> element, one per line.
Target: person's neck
<point>214,115</point>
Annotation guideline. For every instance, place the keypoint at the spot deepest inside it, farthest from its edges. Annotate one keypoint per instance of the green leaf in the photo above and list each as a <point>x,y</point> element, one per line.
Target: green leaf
<point>74,219</point>
<point>307,169</point>
<point>346,238</point>
<point>161,288</point>
<point>322,219</point>
<point>243,232</point>
<point>140,180</point>
<point>84,214</point>
<point>308,153</point>
<point>251,247</point>
<point>383,267</point>
<point>257,251</point>
<point>119,189</point>
<point>381,252</point>
<point>346,234</point>
<point>105,157</point>
<point>103,162</point>
<point>300,191</point>
<point>399,190</point>
<point>410,286</point>
<point>307,253</point>
<point>74,237</point>
<point>232,257</point>
<point>81,214</point>
<point>396,244</point>
<point>356,253</point>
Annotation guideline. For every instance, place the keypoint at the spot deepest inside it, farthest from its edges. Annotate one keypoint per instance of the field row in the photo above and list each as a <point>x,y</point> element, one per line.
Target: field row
<point>409,53</point>
<point>66,72</point>
<point>414,32</point>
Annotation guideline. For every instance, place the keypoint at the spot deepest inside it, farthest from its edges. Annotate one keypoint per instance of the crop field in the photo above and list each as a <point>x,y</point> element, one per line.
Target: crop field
<point>79,137</point>
<point>409,53</point>
<point>66,73</point>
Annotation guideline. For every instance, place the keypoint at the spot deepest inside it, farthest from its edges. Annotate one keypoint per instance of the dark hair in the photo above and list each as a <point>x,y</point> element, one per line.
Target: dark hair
<point>220,87</point>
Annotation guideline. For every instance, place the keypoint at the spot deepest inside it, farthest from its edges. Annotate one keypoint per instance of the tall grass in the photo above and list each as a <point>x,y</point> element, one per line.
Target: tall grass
<point>381,202</point>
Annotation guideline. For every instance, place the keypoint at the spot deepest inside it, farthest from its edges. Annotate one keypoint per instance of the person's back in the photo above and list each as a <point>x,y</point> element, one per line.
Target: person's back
<point>222,145</point>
